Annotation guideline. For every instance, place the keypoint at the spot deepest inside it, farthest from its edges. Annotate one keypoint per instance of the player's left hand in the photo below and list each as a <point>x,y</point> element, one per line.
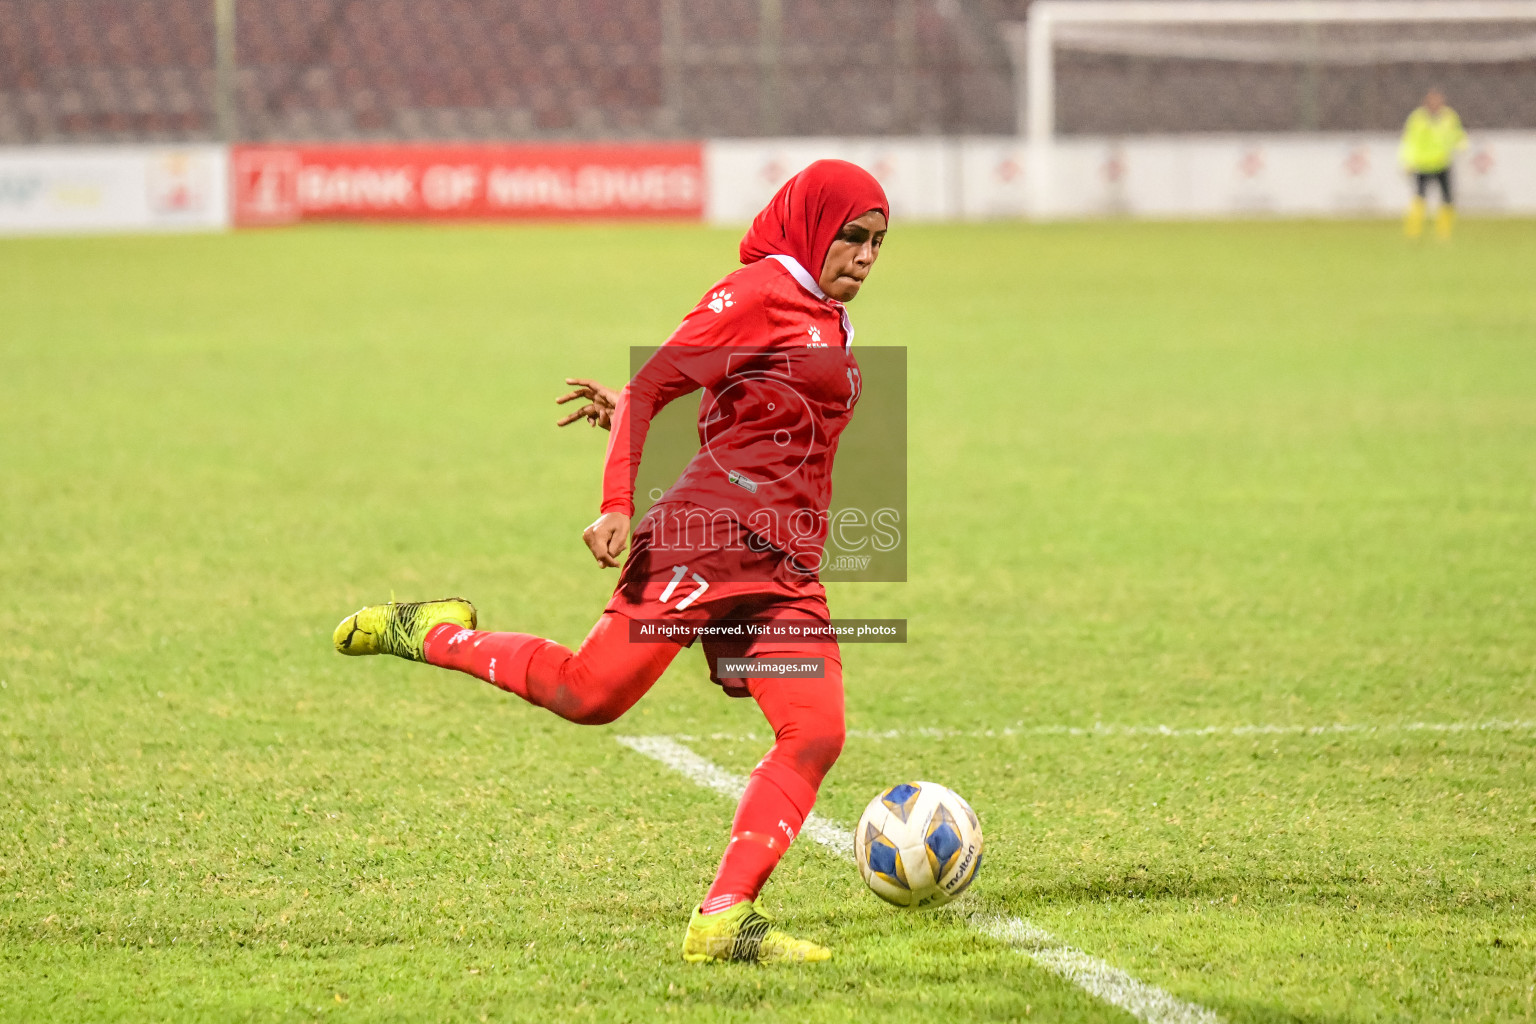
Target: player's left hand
<point>601,403</point>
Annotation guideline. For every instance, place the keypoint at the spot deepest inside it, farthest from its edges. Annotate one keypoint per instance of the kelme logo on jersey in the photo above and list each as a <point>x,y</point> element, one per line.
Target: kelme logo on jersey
<point>719,300</point>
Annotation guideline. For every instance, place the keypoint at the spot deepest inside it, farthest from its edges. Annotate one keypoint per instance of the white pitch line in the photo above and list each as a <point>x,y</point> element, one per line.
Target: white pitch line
<point>711,776</point>
<point>1096,977</point>
<point>1092,975</point>
<point>1108,730</point>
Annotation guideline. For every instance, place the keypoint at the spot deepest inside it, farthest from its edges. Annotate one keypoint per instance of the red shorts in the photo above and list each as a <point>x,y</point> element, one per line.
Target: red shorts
<point>698,586</point>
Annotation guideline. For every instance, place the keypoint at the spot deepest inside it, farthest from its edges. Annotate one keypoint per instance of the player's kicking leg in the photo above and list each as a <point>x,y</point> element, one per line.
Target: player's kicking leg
<point>592,686</point>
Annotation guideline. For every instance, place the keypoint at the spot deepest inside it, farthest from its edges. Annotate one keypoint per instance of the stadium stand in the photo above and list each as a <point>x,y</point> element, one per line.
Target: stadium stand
<point>143,70</point>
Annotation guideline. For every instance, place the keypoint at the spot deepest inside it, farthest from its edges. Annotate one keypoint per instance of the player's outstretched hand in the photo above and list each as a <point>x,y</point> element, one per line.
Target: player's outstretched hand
<point>607,538</point>
<point>601,402</point>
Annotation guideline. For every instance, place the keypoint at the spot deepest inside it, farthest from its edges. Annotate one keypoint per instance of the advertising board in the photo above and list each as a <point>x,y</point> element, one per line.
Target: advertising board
<point>86,189</point>
<point>286,184</point>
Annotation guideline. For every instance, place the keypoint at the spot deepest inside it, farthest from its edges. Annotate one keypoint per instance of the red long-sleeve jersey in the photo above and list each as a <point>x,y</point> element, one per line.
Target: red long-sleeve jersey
<point>774,357</point>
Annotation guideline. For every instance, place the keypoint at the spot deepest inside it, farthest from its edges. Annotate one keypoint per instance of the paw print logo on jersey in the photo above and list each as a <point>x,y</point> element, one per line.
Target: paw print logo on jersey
<point>815,333</point>
<point>719,300</point>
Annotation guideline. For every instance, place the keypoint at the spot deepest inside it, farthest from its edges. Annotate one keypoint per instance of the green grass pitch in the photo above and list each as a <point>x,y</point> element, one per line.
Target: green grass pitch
<point>1196,476</point>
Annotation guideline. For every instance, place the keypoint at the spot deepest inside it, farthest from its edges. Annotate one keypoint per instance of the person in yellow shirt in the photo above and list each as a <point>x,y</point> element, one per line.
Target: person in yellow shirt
<point>1431,138</point>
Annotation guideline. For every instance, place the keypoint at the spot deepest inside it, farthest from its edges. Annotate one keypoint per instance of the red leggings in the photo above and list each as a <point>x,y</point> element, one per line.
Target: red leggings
<point>608,674</point>
<point>605,678</point>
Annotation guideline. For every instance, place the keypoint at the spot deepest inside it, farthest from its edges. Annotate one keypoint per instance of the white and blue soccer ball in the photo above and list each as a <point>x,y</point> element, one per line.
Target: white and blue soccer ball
<point>918,845</point>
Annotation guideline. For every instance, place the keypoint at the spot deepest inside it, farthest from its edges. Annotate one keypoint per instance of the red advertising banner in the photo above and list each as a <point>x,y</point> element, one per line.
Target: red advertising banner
<point>287,184</point>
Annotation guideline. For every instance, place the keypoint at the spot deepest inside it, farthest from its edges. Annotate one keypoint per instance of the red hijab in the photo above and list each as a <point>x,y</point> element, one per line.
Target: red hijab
<point>804,217</point>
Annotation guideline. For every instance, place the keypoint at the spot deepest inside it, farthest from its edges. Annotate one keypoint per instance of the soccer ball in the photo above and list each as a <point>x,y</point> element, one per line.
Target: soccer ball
<point>918,845</point>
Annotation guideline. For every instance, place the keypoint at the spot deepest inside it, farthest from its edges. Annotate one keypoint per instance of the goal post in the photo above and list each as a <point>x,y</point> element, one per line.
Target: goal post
<point>1151,28</point>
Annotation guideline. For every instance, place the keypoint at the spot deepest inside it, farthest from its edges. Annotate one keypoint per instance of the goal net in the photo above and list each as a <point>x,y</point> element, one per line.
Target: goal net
<point>1125,67</point>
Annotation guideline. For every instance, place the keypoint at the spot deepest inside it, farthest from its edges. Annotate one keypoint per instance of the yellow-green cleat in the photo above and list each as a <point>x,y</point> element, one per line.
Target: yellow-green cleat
<point>742,933</point>
<point>399,628</point>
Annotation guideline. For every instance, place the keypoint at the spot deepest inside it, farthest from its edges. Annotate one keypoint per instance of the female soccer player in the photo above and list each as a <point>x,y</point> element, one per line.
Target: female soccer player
<point>737,539</point>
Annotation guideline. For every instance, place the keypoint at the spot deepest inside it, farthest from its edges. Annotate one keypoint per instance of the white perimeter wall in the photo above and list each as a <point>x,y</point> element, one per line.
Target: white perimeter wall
<point>1200,176</point>
<point>176,188</point>
<point>59,190</point>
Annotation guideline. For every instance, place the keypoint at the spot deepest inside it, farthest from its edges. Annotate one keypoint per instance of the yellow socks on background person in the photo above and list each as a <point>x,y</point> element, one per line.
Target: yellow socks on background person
<point>1413,220</point>
<point>1445,219</point>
